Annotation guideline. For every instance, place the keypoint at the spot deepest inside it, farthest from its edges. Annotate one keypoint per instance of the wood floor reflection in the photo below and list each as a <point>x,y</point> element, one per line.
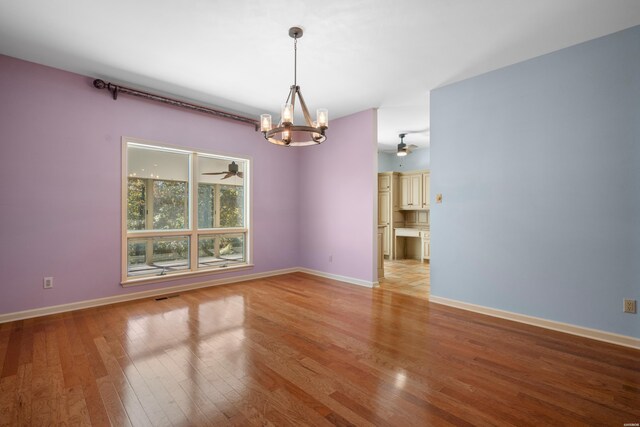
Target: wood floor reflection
<point>302,350</point>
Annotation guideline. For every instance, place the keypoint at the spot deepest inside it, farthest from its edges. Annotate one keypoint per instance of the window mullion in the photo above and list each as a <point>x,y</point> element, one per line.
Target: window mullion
<point>216,206</point>
<point>193,188</point>
<point>157,233</point>
<point>148,206</point>
<point>213,231</point>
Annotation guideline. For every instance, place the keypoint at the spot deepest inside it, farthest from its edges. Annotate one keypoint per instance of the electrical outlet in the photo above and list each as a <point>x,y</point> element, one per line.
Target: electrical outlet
<point>629,306</point>
<point>48,282</point>
<point>330,258</point>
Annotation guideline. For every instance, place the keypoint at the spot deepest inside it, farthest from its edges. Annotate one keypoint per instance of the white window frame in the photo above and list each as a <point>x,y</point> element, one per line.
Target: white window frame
<point>192,231</point>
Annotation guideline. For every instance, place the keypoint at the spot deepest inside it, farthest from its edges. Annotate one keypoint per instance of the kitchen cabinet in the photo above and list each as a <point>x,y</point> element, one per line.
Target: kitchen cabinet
<point>380,254</point>
<point>384,200</point>
<point>426,247</point>
<point>403,247</point>
<point>388,208</point>
<point>426,192</point>
<point>395,192</point>
<point>384,182</point>
<point>411,191</point>
<point>418,218</point>
<point>415,191</point>
<point>404,192</point>
<point>384,212</point>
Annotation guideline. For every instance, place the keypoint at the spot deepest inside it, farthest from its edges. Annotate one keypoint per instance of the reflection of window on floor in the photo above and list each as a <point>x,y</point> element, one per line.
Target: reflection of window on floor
<point>159,205</point>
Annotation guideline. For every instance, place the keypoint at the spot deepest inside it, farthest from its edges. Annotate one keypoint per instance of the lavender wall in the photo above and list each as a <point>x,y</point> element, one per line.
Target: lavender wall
<point>338,196</point>
<point>60,183</point>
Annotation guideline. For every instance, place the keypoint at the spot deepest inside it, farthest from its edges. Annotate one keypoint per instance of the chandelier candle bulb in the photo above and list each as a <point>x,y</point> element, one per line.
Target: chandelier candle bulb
<point>287,113</point>
<point>323,117</point>
<point>265,122</point>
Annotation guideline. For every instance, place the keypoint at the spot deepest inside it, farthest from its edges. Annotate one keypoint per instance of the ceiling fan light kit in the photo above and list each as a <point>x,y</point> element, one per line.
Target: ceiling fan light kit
<point>402,147</point>
<point>287,133</point>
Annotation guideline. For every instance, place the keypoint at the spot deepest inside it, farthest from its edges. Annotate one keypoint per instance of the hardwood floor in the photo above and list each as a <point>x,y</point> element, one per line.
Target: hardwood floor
<point>302,350</point>
<point>407,276</point>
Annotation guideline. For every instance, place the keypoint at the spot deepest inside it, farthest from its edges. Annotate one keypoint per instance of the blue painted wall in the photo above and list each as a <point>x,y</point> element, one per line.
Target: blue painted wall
<point>539,167</point>
<point>419,159</point>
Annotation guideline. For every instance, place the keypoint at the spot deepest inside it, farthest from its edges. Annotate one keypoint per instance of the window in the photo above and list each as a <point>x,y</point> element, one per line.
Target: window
<point>183,212</point>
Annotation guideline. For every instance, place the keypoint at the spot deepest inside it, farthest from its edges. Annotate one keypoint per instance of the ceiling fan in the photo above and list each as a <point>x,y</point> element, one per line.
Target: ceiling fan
<point>233,171</point>
<point>404,149</point>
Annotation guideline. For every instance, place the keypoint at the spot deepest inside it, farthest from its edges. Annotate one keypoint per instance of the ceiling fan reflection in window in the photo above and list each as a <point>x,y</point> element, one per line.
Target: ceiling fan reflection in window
<point>233,171</point>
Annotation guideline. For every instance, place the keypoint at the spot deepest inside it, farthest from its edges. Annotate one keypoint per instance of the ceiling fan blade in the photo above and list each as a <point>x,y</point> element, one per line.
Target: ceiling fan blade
<point>214,173</point>
<point>229,174</point>
<point>425,130</point>
<point>240,175</point>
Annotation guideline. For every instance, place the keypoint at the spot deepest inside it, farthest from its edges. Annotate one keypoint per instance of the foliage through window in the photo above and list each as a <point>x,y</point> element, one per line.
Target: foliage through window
<point>163,187</point>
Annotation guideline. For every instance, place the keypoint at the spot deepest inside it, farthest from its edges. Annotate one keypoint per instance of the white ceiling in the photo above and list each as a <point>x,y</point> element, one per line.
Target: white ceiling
<point>355,54</point>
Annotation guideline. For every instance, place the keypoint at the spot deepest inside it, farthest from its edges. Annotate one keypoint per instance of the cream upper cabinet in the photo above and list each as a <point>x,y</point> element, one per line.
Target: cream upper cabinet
<point>395,193</point>
<point>384,182</point>
<point>411,191</point>
<point>416,191</point>
<point>426,193</point>
<point>405,192</point>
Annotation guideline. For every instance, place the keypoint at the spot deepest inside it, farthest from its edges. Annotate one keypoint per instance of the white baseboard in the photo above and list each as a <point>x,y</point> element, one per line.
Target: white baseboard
<point>595,334</point>
<point>37,312</point>
<point>345,279</point>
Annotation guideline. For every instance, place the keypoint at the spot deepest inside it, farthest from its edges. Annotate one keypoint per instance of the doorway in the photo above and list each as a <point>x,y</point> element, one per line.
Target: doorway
<point>403,215</point>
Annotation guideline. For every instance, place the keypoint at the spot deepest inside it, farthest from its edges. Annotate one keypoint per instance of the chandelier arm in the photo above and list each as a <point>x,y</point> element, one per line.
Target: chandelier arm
<point>288,97</point>
<point>294,89</point>
<point>305,111</point>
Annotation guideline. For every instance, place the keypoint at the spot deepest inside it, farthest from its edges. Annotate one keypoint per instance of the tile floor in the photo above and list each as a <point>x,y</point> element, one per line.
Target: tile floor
<point>407,276</point>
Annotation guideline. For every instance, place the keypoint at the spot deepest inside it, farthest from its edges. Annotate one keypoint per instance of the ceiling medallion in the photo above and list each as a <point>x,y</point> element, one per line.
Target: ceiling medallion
<point>287,133</point>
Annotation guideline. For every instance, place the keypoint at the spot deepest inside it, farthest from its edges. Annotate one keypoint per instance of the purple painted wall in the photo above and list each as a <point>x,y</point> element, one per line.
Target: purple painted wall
<point>338,197</point>
<point>60,151</point>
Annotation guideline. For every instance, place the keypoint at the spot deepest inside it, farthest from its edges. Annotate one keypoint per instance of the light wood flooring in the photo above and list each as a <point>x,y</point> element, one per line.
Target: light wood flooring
<point>298,350</point>
<point>407,276</point>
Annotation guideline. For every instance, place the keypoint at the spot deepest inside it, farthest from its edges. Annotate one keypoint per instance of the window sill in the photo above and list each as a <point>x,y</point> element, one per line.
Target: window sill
<point>176,276</point>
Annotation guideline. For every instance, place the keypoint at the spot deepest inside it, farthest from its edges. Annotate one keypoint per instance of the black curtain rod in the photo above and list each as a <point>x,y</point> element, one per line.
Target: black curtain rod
<point>116,89</point>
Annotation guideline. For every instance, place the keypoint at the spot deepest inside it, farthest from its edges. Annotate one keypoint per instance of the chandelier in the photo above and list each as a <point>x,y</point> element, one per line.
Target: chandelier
<point>287,133</point>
